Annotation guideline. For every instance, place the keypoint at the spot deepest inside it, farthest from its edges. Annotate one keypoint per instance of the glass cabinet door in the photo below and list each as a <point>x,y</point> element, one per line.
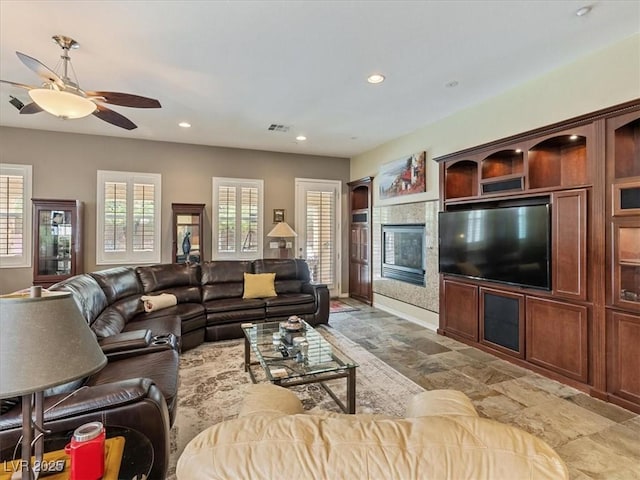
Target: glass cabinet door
<point>57,247</point>
<point>187,232</point>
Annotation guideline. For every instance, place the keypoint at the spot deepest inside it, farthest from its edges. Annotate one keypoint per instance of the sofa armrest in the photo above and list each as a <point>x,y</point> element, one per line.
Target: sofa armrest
<point>125,341</point>
<point>440,402</point>
<point>321,294</point>
<point>135,403</point>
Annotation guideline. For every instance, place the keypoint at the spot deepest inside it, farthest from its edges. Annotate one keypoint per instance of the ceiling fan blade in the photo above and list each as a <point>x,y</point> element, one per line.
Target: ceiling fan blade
<point>42,70</point>
<point>30,108</point>
<point>125,99</point>
<point>19,85</point>
<point>114,118</point>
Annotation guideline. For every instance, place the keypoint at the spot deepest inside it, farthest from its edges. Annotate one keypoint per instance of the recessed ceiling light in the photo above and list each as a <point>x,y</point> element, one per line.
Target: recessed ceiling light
<point>451,84</point>
<point>518,150</point>
<point>375,78</point>
<point>581,12</point>
<point>301,138</point>
<point>573,137</point>
<point>184,125</point>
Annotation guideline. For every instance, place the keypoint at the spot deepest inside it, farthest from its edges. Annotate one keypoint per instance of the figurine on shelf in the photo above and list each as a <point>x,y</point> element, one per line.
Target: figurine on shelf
<point>186,246</point>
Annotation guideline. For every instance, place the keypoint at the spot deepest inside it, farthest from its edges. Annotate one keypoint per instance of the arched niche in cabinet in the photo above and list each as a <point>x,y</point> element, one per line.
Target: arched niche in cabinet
<point>503,171</point>
<point>461,179</point>
<point>559,161</point>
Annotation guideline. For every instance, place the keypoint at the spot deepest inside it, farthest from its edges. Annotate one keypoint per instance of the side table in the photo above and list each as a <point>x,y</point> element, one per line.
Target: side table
<point>135,464</point>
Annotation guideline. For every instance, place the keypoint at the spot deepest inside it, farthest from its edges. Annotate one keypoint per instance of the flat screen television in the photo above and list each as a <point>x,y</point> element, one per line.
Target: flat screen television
<point>504,244</point>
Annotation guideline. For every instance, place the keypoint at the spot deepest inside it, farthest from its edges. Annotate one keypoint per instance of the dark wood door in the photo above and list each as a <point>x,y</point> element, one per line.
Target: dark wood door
<point>360,286</point>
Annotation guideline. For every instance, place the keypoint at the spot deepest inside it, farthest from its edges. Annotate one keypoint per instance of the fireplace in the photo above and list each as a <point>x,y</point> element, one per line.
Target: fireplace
<point>403,253</point>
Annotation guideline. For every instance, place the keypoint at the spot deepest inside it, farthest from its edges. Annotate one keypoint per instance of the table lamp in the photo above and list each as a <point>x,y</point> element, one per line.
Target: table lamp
<point>44,342</point>
<point>282,230</point>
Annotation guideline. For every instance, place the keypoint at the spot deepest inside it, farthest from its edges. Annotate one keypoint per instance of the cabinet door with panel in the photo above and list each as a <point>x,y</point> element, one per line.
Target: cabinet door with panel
<point>569,244</point>
<point>557,337</point>
<point>623,355</point>
<point>460,309</point>
<point>57,236</point>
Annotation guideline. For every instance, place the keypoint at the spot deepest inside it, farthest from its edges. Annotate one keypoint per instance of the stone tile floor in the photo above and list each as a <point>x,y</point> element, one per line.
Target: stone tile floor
<point>597,440</point>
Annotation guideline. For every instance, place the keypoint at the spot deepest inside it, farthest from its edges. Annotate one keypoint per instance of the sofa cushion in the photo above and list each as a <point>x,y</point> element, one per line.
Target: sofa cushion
<point>168,275</point>
<point>109,322</point>
<point>259,285</point>
<point>161,367</point>
<point>223,278</point>
<point>290,273</point>
<point>231,304</point>
<point>118,283</point>
<point>87,293</point>
<point>289,299</point>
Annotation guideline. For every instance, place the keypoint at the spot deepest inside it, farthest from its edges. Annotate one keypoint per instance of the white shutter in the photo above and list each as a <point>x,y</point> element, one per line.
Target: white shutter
<point>128,225</point>
<point>227,219</point>
<point>237,226</point>
<point>15,218</point>
<point>144,228</point>
<point>320,235</point>
<point>249,219</point>
<point>115,217</point>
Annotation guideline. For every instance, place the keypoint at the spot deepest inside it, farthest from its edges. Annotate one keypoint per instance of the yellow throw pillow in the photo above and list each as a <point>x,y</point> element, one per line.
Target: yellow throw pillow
<point>259,285</point>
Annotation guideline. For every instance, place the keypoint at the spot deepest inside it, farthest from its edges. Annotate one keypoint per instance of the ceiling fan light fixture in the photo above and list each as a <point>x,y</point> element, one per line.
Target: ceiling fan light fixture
<point>62,104</point>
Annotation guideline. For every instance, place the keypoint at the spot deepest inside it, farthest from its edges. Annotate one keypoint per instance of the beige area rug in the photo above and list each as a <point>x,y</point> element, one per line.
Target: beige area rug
<point>213,383</point>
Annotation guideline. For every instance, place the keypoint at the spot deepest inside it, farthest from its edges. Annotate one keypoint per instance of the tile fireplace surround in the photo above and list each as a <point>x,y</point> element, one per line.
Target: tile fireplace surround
<point>408,213</point>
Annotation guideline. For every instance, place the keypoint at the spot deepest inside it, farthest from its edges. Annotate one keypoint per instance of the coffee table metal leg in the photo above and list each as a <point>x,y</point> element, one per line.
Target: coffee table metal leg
<point>351,390</point>
<point>247,354</point>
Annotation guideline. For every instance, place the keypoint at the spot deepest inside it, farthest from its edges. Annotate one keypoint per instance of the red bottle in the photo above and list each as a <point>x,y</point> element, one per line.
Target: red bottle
<point>86,450</point>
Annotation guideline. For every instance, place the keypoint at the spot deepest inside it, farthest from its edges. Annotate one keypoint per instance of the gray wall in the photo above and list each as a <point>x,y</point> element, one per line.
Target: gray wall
<point>65,165</point>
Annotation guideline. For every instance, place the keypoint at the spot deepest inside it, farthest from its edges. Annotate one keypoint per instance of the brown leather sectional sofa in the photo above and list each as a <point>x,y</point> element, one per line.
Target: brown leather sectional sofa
<point>138,386</point>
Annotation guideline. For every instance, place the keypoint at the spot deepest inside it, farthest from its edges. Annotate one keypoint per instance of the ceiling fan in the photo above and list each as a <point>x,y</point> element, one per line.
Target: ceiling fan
<point>63,97</point>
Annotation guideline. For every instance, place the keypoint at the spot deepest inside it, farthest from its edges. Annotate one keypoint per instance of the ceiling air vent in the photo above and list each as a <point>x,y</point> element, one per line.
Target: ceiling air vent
<point>275,127</point>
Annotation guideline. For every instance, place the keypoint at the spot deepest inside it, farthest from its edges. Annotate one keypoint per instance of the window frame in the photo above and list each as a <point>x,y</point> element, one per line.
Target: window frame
<point>129,257</point>
<point>24,260</point>
<point>218,182</point>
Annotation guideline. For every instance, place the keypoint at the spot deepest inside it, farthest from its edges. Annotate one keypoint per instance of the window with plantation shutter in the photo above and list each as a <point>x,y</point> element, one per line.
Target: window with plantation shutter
<point>128,224</point>
<point>15,215</point>
<point>237,223</point>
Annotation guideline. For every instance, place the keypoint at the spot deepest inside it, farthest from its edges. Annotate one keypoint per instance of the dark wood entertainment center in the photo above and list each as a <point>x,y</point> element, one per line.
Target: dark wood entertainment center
<point>585,330</point>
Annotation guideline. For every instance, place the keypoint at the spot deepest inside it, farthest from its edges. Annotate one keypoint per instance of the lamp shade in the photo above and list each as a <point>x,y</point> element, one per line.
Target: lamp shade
<point>62,104</point>
<point>282,229</point>
<point>44,342</point>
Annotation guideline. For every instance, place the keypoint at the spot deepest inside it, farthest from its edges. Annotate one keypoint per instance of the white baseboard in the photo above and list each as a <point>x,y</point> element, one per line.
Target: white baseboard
<point>420,316</point>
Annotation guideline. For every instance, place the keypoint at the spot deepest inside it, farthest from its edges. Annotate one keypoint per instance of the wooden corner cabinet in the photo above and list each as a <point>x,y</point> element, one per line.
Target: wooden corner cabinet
<point>187,227</point>
<point>360,203</point>
<point>581,326</point>
<point>623,258</point>
<point>57,240</point>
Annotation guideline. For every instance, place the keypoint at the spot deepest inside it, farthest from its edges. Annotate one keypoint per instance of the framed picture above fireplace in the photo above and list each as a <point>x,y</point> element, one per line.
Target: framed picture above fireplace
<point>403,176</point>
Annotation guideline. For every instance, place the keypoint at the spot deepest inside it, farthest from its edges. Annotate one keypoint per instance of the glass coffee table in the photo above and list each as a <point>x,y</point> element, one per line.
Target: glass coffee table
<point>288,365</point>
